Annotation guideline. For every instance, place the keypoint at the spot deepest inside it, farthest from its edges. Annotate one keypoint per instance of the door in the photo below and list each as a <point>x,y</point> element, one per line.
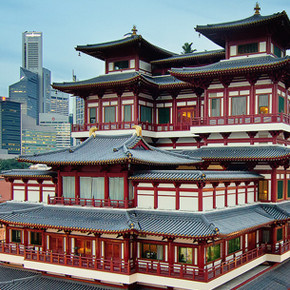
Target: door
<point>83,247</point>
<point>56,244</point>
<point>252,241</point>
<point>185,115</point>
<point>112,251</point>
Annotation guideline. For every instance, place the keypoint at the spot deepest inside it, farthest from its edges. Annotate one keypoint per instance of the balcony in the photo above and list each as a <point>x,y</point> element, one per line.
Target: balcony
<point>90,202</point>
<point>150,267</point>
<point>195,122</point>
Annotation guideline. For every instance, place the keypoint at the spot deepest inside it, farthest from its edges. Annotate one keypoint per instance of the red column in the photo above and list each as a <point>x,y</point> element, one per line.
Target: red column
<point>126,190</point>
<point>25,190</point>
<point>200,197</point>
<point>86,112</point>
<point>246,192</point>
<point>226,193</point>
<point>77,185</point>
<point>214,185</point>
<point>201,255</point>
<point>100,115</point>
<point>177,195</point>
<point>155,186</point>
<point>237,192</point>
<point>170,252</point>
<point>106,187</point>
<point>255,191</point>
<point>11,188</point>
<point>40,190</point>
<point>275,98</point>
<point>7,235</point>
<point>136,113</point>
<point>59,184</point>
<point>98,246</point>
<point>174,109</point>
<point>126,248</point>
<point>119,109</point>
<point>274,183</point>
<point>135,184</point>
<point>25,237</point>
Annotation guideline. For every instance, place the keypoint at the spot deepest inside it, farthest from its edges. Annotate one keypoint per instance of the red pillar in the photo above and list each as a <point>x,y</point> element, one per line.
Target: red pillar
<point>155,186</point>
<point>11,188</point>
<point>126,190</point>
<point>274,183</point>
<point>25,190</point>
<point>77,185</point>
<point>201,255</point>
<point>59,184</point>
<point>136,113</point>
<point>135,185</point>
<point>215,185</point>
<point>170,252</point>
<point>246,192</point>
<point>126,248</point>
<point>100,115</point>
<point>106,187</point>
<point>40,190</point>
<point>226,193</point>
<point>255,191</point>
<point>119,108</point>
<point>86,112</point>
<point>177,195</point>
<point>174,110</point>
<point>200,197</point>
<point>237,192</point>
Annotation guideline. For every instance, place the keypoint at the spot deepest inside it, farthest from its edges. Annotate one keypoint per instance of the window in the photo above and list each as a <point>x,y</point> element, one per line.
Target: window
<point>215,107</point>
<point>16,236</point>
<point>277,51</point>
<point>280,185</point>
<point>152,251</point>
<point>263,104</point>
<point>263,190</point>
<point>279,234</point>
<point>239,106</point>
<point>213,253</point>
<point>266,237</point>
<point>92,187</point>
<point>92,112</point>
<point>123,64</point>
<point>164,115</point>
<point>185,115</point>
<point>247,48</point>
<point>68,186</point>
<point>281,104</point>
<point>185,255</point>
<point>116,188</point>
<point>36,238</point>
<point>127,113</point>
<point>110,114</point>
<point>146,114</point>
<point>234,245</point>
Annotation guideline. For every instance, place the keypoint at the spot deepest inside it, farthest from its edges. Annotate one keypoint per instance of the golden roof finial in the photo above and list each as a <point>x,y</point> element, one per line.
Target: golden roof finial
<point>138,130</point>
<point>134,30</point>
<point>257,9</point>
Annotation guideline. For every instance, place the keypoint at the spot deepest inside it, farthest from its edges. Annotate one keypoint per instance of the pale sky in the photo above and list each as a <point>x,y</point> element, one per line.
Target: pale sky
<point>68,23</point>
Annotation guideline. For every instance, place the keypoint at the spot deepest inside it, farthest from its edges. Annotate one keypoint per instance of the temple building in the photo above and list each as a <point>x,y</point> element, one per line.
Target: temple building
<point>182,178</point>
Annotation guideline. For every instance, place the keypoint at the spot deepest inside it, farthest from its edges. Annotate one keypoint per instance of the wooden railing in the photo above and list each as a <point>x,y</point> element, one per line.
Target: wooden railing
<point>196,121</point>
<point>151,267</point>
<point>90,202</point>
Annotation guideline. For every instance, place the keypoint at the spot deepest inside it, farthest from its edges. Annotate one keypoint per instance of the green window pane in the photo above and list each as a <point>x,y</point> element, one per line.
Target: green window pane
<point>110,114</point>
<point>279,234</point>
<point>146,114</point>
<point>213,253</point>
<point>280,186</point>
<point>277,51</point>
<point>281,104</point>
<point>248,48</point>
<point>234,245</point>
<point>164,115</point>
<point>127,113</point>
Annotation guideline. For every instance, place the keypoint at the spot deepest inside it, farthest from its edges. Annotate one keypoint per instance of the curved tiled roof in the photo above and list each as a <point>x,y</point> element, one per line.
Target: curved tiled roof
<point>108,149</point>
<point>233,66</point>
<point>278,22</point>
<point>237,153</point>
<point>103,50</point>
<point>193,175</point>
<point>154,222</point>
<point>46,174</point>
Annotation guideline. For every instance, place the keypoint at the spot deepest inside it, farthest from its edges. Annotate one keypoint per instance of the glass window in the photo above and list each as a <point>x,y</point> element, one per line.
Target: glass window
<point>185,255</point>
<point>281,104</point>
<point>146,114</point>
<point>213,253</point>
<point>35,238</point>
<point>263,190</point>
<point>215,107</point>
<point>277,51</point>
<point>127,113</point>
<point>116,188</point>
<point>239,106</point>
<point>16,236</point>
<point>263,104</point>
<point>280,185</point>
<point>152,251</point>
<point>234,245</point>
<point>266,236</point>
<point>110,114</point>
<point>279,234</point>
<point>92,112</point>
<point>247,48</point>
<point>92,187</point>
<point>164,115</point>
<point>68,186</point>
<point>123,64</point>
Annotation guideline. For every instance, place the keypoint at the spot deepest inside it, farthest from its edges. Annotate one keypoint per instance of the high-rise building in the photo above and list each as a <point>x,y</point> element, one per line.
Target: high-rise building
<point>32,51</point>
<point>26,92</point>
<point>10,126</point>
<point>59,102</point>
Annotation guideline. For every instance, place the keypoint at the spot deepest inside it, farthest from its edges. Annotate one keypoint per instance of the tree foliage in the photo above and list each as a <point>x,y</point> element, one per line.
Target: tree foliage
<point>187,48</point>
<point>7,164</point>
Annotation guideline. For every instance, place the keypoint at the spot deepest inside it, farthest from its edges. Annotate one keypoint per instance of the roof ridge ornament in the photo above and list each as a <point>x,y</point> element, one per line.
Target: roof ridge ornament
<point>257,9</point>
<point>93,132</point>
<point>134,30</point>
<point>138,130</point>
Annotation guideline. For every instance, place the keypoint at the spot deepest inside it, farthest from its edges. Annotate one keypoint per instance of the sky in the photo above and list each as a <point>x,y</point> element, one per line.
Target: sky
<point>68,23</point>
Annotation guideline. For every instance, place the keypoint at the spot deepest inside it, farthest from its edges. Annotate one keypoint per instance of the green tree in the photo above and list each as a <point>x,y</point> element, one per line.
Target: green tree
<point>7,164</point>
<point>187,48</point>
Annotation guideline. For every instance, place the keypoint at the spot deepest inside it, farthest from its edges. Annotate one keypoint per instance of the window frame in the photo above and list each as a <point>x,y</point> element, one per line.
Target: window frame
<point>216,110</point>
<point>263,185</point>
<point>245,108</point>
<point>280,189</point>
<point>17,236</point>
<point>243,49</point>
<point>33,241</point>
<point>124,113</point>
<point>190,249</point>
<point>143,253</point>
<point>144,110</point>
<point>235,245</point>
<point>164,109</point>
<point>93,109</point>
<point>213,249</point>
<point>279,234</point>
<point>106,108</point>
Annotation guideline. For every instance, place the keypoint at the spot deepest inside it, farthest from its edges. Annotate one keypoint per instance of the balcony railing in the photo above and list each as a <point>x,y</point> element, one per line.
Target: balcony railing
<point>90,202</point>
<point>151,267</point>
<point>209,121</point>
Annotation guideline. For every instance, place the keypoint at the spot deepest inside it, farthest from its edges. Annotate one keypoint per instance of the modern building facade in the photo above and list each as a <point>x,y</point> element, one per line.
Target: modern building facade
<point>10,126</point>
<point>59,103</point>
<point>121,210</point>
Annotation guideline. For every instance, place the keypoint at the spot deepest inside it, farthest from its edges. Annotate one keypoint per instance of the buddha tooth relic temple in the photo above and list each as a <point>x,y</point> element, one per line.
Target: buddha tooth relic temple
<point>181,178</point>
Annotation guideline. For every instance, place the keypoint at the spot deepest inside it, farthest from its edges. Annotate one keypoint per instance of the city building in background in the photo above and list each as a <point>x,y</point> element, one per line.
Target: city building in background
<point>59,103</point>
<point>10,126</point>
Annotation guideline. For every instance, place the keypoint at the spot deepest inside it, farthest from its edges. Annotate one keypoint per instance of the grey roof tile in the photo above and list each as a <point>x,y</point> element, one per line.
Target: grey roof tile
<point>28,173</point>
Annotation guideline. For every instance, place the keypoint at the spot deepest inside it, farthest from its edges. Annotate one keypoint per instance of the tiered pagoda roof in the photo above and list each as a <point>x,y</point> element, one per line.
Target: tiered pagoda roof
<point>107,149</point>
<point>133,44</point>
<point>160,223</point>
<point>278,25</point>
